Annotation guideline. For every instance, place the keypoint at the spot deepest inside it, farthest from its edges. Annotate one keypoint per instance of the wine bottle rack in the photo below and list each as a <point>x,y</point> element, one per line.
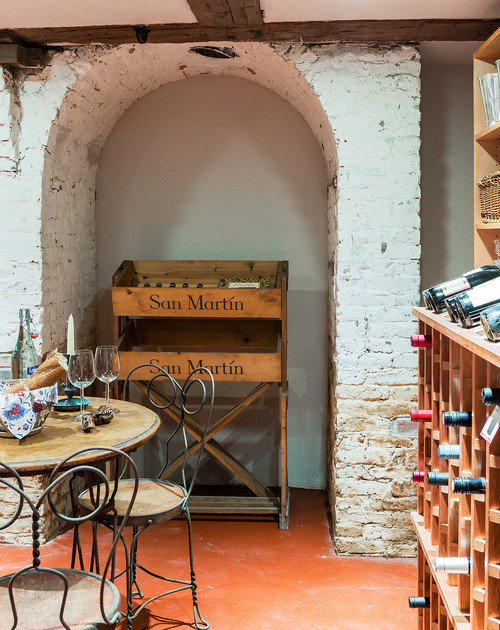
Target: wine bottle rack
<point>451,374</point>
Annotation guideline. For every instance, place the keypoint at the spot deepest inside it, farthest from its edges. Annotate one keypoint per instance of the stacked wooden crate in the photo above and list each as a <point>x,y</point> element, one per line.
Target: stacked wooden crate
<point>228,316</point>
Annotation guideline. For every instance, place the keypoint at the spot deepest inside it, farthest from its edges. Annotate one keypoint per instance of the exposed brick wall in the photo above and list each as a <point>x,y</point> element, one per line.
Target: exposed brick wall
<point>20,532</point>
<point>368,96</point>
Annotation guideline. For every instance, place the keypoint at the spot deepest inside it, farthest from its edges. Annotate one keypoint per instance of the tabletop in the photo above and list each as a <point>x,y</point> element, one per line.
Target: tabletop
<point>61,436</point>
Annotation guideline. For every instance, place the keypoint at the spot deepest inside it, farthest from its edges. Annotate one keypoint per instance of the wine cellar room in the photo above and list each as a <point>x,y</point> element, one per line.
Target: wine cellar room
<point>302,199</point>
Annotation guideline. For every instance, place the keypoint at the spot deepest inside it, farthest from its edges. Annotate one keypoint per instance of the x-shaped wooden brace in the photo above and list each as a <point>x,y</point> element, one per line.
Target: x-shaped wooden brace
<point>211,445</point>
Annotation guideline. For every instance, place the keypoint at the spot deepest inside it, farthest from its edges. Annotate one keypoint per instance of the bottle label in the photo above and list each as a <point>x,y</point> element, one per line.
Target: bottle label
<point>32,370</point>
<point>490,429</point>
<point>455,286</point>
<point>485,293</point>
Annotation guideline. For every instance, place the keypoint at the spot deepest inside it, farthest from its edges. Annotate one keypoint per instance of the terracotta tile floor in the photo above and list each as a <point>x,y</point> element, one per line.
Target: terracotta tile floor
<point>253,576</point>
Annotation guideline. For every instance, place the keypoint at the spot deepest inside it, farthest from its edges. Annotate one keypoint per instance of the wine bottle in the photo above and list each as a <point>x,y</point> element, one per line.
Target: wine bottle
<point>451,308</point>
<point>490,319</point>
<point>452,565</point>
<point>419,602</point>
<point>421,341</point>
<point>437,478</point>
<point>438,293</point>
<point>469,485</point>
<point>418,476</point>
<point>24,360</point>
<point>421,415</point>
<point>490,396</point>
<point>470,303</point>
<point>457,419</point>
<point>449,451</point>
<point>427,301</point>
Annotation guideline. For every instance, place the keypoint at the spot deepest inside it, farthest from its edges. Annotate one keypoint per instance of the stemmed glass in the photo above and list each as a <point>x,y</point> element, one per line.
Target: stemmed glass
<point>81,373</point>
<point>107,367</point>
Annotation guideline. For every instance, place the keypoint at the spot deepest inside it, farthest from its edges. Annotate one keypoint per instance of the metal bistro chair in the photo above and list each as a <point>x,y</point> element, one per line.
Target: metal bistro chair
<point>159,500</point>
<point>43,598</point>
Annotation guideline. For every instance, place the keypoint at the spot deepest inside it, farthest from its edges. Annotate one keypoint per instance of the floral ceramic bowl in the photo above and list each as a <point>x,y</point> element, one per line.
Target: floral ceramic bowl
<point>25,412</point>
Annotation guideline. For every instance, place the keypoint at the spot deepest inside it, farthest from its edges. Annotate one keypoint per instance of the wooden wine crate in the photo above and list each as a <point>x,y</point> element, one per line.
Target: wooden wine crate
<point>238,333</point>
<point>245,351</point>
<point>142,289</point>
<point>451,375</point>
<point>228,316</point>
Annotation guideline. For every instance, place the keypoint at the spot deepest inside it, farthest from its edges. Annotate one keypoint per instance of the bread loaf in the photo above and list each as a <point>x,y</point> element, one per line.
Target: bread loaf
<point>47,374</point>
<point>17,387</point>
<point>51,370</point>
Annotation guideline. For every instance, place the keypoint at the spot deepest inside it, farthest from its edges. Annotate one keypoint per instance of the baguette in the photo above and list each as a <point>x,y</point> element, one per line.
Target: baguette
<point>19,386</point>
<point>47,374</point>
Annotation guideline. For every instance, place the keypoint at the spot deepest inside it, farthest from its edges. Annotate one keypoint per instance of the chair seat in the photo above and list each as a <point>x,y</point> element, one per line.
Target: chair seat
<point>156,501</point>
<point>38,596</point>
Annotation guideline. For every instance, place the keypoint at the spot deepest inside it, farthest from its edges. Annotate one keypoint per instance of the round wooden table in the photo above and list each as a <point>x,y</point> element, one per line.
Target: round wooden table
<point>61,436</point>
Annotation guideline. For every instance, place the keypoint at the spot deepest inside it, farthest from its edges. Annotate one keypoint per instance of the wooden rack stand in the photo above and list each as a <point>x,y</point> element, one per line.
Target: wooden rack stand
<point>451,374</point>
<point>178,314</point>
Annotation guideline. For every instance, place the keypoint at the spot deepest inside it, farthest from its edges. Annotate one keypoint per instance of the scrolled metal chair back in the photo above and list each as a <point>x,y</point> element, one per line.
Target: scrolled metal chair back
<point>66,471</point>
<point>181,397</point>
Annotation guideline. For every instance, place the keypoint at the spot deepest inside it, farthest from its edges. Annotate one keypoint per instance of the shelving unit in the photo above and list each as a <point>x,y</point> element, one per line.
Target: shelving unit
<point>486,151</point>
<point>451,374</point>
<point>176,314</point>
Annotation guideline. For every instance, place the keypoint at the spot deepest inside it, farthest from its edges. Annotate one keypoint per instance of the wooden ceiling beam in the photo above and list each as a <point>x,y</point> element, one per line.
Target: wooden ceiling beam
<point>227,12</point>
<point>371,31</point>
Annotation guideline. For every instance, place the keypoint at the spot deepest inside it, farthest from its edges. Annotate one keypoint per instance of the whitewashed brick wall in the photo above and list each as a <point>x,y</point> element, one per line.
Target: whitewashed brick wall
<point>52,127</point>
<point>372,96</point>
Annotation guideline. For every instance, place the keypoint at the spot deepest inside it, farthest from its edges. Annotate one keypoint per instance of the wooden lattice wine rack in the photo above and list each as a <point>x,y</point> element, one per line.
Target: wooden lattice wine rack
<point>228,316</point>
<point>451,375</point>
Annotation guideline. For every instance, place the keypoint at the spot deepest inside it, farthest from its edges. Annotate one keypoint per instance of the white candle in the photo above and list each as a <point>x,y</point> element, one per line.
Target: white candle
<point>70,341</point>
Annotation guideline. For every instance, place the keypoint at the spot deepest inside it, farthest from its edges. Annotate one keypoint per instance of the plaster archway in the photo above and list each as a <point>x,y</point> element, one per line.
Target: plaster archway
<point>112,79</point>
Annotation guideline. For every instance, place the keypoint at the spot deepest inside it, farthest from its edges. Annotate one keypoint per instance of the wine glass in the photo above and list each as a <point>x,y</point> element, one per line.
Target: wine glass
<point>107,367</point>
<point>81,373</point>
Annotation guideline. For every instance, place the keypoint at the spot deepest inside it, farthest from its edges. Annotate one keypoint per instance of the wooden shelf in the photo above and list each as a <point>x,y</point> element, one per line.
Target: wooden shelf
<point>489,51</point>
<point>451,375</point>
<point>486,150</point>
<point>490,133</point>
<point>450,524</point>
<point>488,227</point>
<point>472,339</point>
<point>447,593</point>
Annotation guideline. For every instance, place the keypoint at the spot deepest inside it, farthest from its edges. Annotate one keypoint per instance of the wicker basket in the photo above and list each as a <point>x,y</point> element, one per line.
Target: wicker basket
<point>489,197</point>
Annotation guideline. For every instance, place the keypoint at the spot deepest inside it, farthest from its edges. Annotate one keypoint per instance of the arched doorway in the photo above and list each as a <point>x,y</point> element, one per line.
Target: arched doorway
<point>109,83</point>
<point>222,168</point>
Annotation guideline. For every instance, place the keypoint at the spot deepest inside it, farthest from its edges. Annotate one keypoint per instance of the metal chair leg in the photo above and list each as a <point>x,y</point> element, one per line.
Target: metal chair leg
<point>76,548</point>
<point>199,622</point>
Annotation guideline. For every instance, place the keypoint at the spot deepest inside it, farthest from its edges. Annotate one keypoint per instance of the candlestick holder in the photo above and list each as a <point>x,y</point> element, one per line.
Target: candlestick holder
<point>71,403</point>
